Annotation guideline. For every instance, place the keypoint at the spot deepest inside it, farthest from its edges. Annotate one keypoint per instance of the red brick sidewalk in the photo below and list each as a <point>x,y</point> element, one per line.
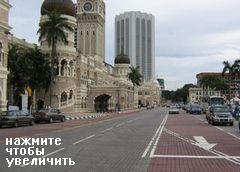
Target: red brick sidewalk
<point>178,151</point>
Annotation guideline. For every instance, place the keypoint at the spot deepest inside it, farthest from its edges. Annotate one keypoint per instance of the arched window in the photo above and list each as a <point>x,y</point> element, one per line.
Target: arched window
<point>71,70</point>
<point>64,68</point>
<point>63,97</point>
<point>1,52</point>
<point>70,94</point>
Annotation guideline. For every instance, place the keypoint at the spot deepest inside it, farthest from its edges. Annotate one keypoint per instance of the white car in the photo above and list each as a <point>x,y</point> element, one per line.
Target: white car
<point>173,110</point>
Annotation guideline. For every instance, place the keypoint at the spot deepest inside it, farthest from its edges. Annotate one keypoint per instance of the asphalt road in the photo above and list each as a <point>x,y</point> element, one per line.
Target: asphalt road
<point>112,145</point>
<point>146,141</point>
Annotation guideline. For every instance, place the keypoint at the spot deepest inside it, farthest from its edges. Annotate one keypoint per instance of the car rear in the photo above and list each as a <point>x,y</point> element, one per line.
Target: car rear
<point>41,116</point>
<point>7,118</point>
<point>173,110</point>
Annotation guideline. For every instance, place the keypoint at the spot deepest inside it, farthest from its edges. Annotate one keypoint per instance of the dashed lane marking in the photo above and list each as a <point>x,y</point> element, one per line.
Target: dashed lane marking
<point>82,140</point>
<point>45,156</point>
<point>121,124</point>
<point>108,129</point>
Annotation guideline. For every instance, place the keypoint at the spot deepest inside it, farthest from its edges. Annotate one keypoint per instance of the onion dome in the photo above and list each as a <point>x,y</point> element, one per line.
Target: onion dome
<point>122,59</point>
<point>65,7</point>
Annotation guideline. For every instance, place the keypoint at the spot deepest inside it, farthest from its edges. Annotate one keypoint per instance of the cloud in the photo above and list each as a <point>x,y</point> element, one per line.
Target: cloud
<point>192,36</point>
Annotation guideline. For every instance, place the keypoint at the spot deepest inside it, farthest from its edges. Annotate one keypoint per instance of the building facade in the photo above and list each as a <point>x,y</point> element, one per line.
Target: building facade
<point>4,31</point>
<point>135,34</point>
<point>91,28</point>
<point>196,94</point>
<point>84,81</point>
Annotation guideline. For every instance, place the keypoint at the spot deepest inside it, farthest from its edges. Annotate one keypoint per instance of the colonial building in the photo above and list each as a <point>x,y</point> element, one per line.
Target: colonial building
<point>197,94</point>
<point>149,93</point>
<point>84,81</point>
<point>4,30</point>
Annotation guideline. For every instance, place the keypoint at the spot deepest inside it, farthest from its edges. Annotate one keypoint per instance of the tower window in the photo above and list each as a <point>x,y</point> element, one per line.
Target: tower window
<point>87,32</point>
<point>93,33</point>
<point>81,33</point>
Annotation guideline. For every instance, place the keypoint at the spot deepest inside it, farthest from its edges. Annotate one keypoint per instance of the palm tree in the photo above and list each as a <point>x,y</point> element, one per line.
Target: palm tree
<point>53,30</point>
<point>40,76</point>
<point>233,72</point>
<point>135,76</point>
<point>213,82</point>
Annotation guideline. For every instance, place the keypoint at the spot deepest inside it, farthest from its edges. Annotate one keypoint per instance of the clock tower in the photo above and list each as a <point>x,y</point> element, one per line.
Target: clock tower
<point>91,28</point>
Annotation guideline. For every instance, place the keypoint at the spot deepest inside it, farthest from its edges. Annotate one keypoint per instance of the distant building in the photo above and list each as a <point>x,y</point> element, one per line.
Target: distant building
<point>207,74</point>
<point>135,34</point>
<point>196,94</point>
<point>4,31</point>
<point>161,83</point>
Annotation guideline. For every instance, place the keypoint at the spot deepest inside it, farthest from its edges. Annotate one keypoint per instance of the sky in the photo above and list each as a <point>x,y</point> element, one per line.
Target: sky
<point>191,36</point>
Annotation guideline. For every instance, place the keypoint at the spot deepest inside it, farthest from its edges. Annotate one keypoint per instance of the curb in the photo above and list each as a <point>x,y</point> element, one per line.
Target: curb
<point>83,117</point>
<point>99,115</point>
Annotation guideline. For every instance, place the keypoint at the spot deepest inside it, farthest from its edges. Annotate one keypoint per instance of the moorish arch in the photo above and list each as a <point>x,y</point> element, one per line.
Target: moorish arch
<point>101,103</point>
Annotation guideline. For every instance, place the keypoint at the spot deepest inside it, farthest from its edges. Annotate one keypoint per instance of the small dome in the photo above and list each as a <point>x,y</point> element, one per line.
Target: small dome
<point>66,7</point>
<point>122,59</point>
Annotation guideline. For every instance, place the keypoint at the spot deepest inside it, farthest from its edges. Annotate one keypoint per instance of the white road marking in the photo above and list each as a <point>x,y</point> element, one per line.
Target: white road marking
<point>108,129</point>
<point>129,121</point>
<point>213,151</point>
<point>234,135</point>
<point>202,142</point>
<point>158,136</point>
<point>153,138</point>
<point>220,128</point>
<point>89,137</point>
<point>44,156</point>
<point>121,124</point>
<point>195,156</point>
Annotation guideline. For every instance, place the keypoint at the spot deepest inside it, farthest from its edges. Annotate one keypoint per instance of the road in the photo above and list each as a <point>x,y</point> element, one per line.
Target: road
<point>145,141</point>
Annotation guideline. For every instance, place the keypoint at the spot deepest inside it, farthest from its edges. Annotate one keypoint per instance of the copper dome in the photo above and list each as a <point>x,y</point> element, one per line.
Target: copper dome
<point>66,7</point>
<point>122,59</point>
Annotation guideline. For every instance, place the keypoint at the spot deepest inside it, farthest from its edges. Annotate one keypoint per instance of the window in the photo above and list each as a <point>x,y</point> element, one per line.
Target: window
<point>70,94</point>
<point>63,97</point>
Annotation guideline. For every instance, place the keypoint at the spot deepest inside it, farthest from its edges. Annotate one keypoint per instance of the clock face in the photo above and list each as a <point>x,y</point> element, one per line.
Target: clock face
<point>87,6</point>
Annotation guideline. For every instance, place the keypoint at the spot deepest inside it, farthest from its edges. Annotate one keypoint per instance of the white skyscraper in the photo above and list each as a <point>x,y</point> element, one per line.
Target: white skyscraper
<point>135,35</point>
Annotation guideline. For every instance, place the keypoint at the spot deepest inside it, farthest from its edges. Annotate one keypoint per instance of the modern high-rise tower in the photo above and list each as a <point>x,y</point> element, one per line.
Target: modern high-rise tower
<point>135,35</point>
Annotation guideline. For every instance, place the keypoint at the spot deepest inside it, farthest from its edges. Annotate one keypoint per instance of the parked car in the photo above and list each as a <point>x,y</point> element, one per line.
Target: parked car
<point>195,109</point>
<point>236,111</point>
<point>49,115</point>
<point>188,108</point>
<point>150,107</point>
<point>15,118</point>
<point>173,110</point>
<point>219,114</point>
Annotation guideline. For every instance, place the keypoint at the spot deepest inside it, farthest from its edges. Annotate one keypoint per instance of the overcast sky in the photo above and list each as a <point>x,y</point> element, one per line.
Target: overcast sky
<point>192,36</point>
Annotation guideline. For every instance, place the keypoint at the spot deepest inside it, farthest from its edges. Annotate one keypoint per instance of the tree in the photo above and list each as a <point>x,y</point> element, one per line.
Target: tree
<point>18,68</point>
<point>213,82</point>
<point>28,68</point>
<point>233,72</point>
<point>40,75</point>
<point>53,30</point>
<point>135,76</point>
